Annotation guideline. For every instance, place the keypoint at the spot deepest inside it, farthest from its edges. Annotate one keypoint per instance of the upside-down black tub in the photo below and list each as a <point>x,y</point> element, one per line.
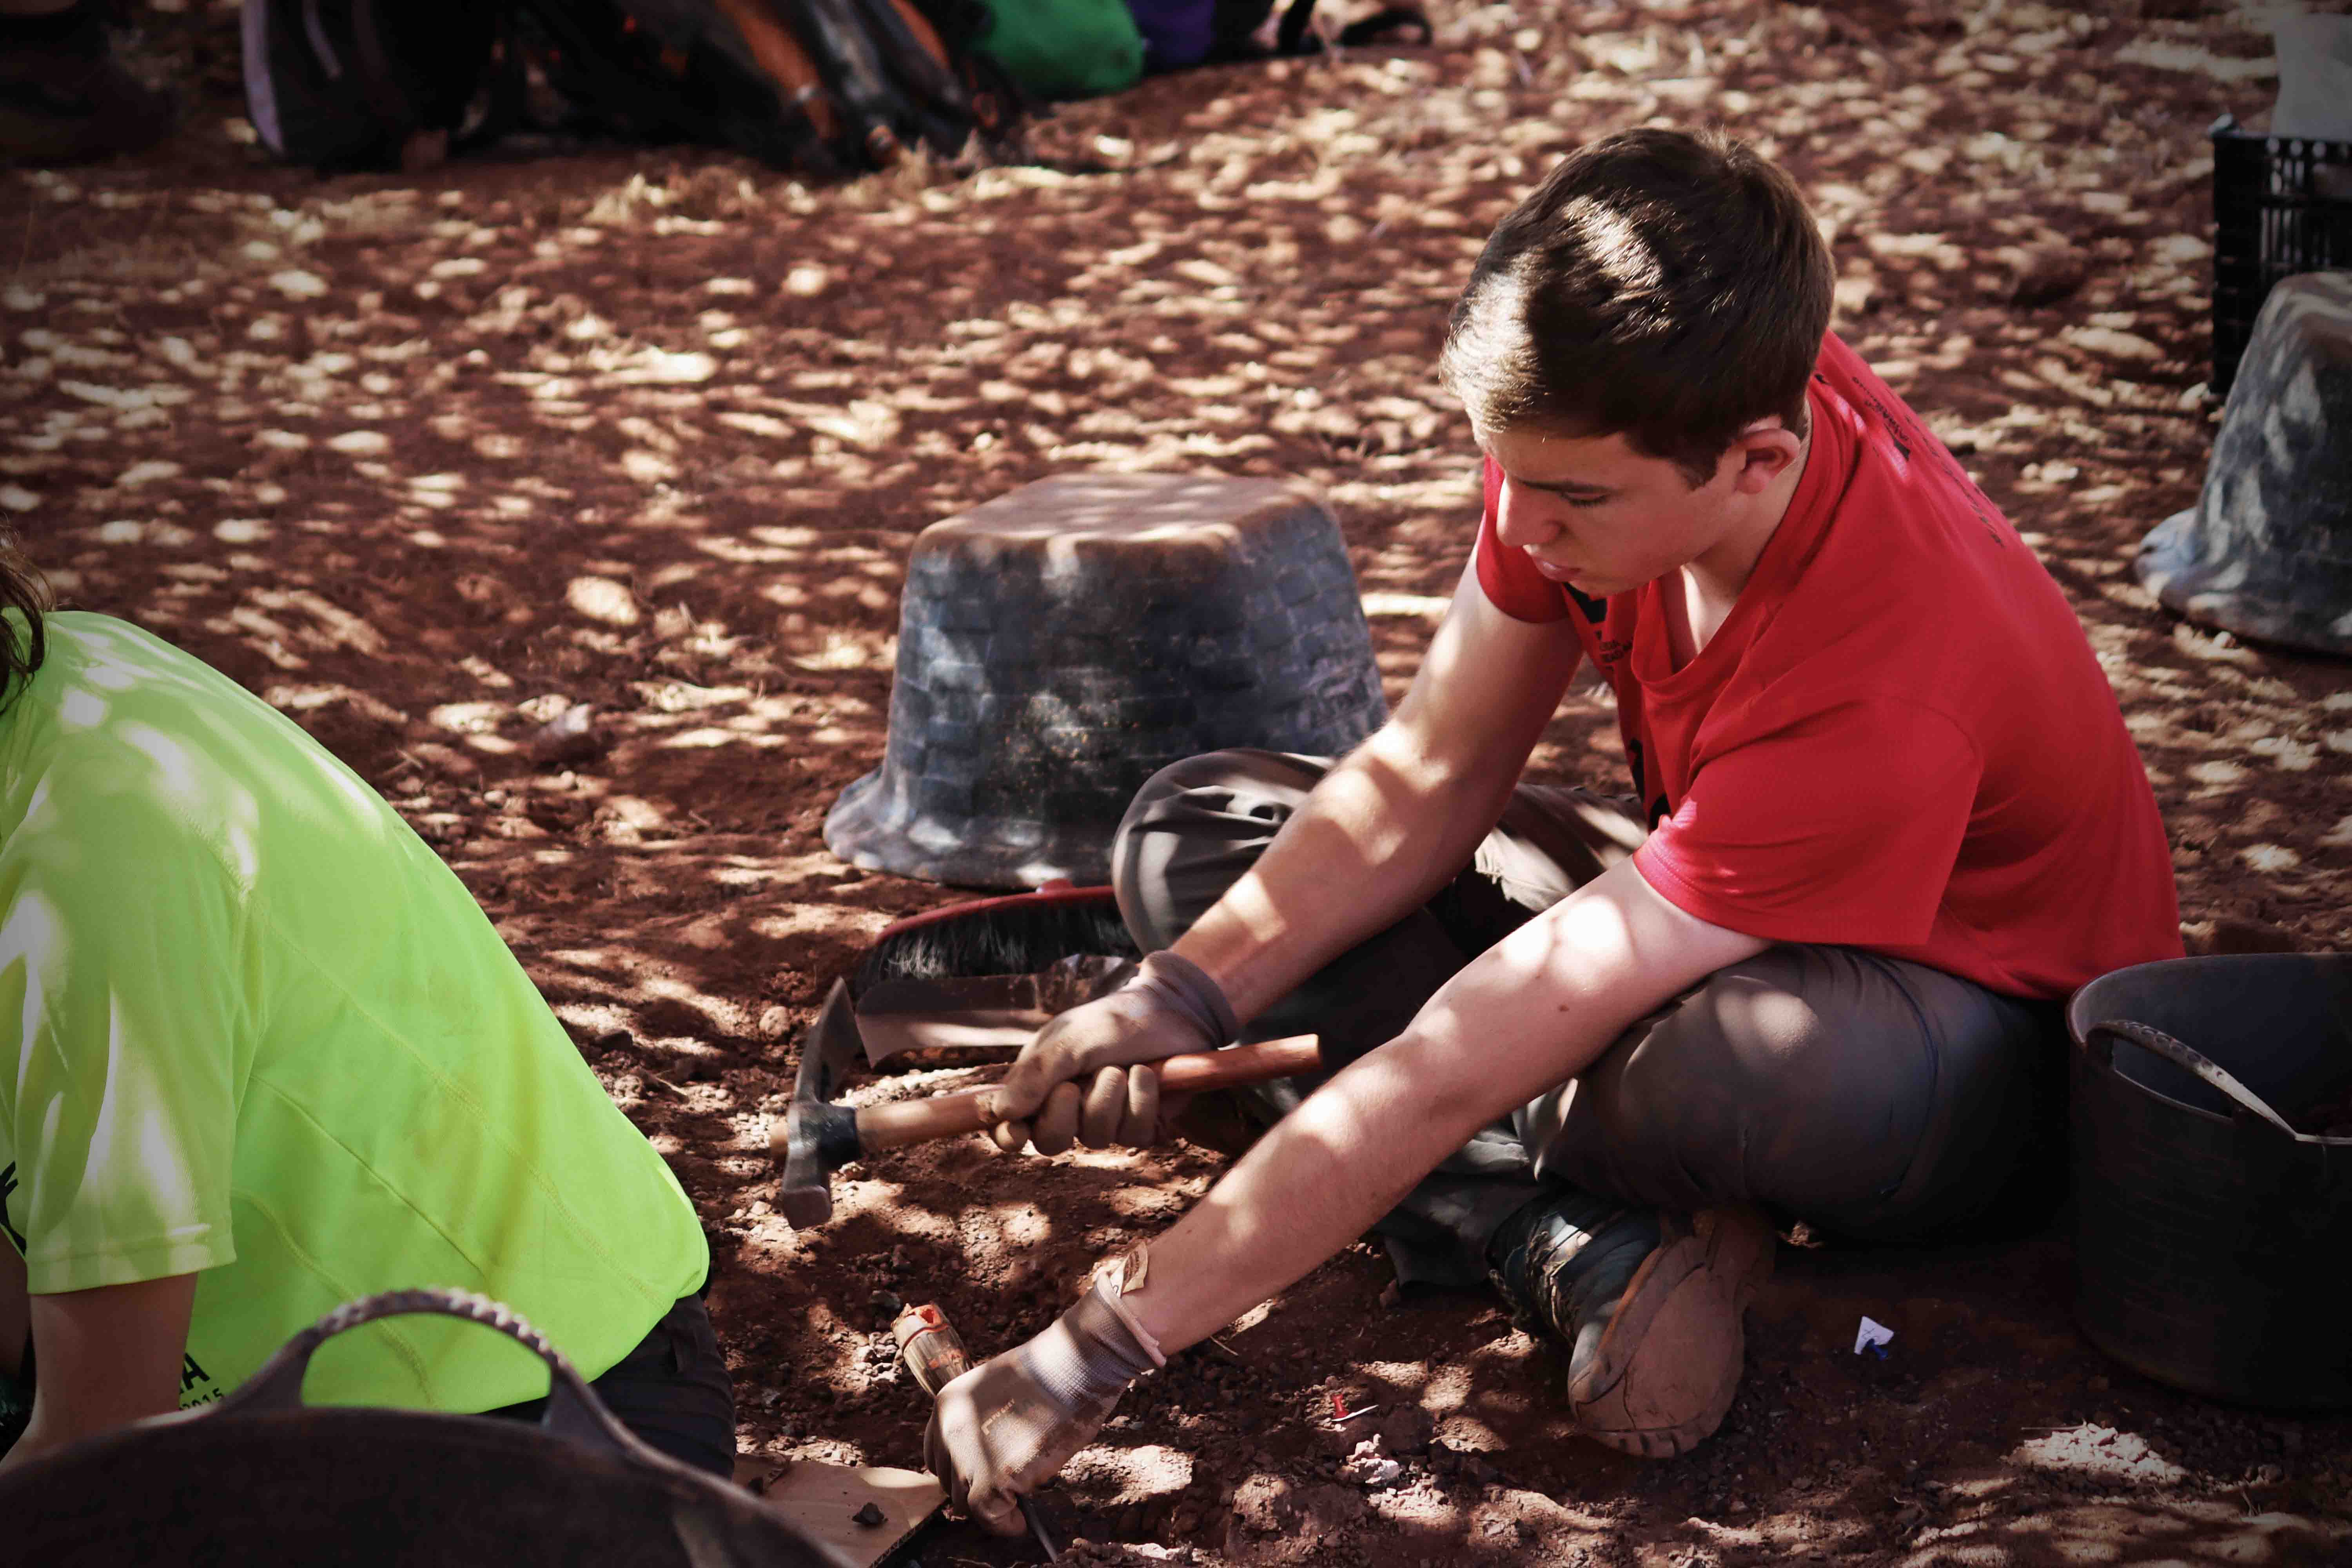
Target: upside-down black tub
<point>260,1479</point>
<point>2211,1233</point>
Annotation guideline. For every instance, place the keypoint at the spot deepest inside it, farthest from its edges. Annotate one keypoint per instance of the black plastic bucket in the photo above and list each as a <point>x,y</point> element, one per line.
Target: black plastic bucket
<point>262,1478</point>
<point>2209,1234</point>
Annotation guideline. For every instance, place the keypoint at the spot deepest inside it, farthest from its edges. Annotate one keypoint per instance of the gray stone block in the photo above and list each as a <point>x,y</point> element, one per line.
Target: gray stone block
<point>1060,644</point>
<point>2267,550</point>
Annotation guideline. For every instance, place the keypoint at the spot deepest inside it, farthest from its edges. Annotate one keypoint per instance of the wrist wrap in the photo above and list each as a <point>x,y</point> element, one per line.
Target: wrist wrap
<point>1090,1355</point>
<point>1186,987</point>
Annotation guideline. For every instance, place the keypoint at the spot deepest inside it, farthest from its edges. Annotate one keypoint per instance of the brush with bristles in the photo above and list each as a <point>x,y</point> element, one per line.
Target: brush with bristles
<point>1020,933</point>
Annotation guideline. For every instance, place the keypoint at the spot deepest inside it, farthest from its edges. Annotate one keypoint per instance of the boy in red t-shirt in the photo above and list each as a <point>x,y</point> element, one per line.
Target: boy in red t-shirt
<point>1887,817</point>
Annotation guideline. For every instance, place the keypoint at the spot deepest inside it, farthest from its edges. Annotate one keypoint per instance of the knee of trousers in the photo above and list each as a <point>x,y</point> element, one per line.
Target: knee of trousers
<point>1803,1079</point>
<point>1194,827</point>
<point>1207,782</point>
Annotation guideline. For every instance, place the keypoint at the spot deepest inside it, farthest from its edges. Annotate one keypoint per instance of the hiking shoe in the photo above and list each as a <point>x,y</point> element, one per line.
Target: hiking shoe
<point>1650,1306</point>
<point>64,98</point>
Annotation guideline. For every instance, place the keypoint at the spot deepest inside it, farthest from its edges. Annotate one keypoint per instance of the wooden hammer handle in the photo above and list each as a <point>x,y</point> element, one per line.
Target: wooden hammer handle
<point>905,1122</point>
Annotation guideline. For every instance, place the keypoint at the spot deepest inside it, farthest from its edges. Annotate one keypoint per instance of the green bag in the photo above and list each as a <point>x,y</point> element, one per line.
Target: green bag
<point>1065,49</point>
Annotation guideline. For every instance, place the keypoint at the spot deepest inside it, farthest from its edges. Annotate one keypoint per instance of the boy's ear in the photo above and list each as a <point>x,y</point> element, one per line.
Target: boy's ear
<point>1764,451</point>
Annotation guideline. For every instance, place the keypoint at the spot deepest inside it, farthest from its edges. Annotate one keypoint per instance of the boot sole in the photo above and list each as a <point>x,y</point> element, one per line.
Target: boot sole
<point>1665,1373</point>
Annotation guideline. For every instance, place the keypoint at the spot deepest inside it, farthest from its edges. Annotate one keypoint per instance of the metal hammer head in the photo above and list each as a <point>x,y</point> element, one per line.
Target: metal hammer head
<point>818,1137</point>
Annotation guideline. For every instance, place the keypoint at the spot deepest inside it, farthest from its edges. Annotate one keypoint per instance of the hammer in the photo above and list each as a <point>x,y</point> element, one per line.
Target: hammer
<point>819,1137</point>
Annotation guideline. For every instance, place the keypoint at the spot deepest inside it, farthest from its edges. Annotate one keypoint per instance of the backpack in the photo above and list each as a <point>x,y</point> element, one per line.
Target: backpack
<point>1180,33</point>
<point>340,84</point>
<point>1068,48</point>
<point>825,87</point>
<point>1233,32</point>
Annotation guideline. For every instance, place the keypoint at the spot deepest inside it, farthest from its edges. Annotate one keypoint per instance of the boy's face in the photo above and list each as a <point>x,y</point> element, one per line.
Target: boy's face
<point>1593,513</point>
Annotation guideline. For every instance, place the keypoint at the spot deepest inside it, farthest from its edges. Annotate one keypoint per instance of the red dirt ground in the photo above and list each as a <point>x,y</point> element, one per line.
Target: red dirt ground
<point>423,460</point>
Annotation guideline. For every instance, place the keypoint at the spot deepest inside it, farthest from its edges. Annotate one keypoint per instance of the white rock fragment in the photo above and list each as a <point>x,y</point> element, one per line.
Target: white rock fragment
<point>361,443</point>
<point>2271,857</point>
<point>17,298</point>
<point>121,531</point>
<point>296,284</point>
<point>1371,1468</point>
<point>17,497</point>
<point>458,266</point>
<point>241,531</point>
<point>282,440</point>
<point>148,472</point>
<point>806,280</point>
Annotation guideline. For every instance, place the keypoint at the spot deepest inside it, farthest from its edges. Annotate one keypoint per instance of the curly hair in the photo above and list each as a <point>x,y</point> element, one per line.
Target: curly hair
<point>1661,283</point>
<point>22,590</point>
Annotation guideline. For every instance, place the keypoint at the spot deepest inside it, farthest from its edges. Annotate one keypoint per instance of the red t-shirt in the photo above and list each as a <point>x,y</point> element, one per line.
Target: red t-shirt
<point>1899,739</point>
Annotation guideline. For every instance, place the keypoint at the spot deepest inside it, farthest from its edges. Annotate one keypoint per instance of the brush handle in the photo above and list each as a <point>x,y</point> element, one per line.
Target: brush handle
<point>908,1122</point>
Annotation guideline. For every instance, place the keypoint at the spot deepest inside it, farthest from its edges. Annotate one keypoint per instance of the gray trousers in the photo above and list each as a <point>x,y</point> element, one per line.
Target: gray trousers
<point>1871,1097</point>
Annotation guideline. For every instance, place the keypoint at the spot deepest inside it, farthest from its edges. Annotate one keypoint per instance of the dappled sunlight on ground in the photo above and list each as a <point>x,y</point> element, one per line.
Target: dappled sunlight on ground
<point>566,499</point>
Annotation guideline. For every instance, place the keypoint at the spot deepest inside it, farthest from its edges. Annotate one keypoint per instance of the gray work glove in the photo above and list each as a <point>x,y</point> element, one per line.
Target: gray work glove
<point>1085,1075</point>
<point>1007,1427</point>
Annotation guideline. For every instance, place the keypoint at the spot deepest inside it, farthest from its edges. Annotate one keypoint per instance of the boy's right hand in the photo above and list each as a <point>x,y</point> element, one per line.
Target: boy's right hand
<point>1085,1077</point>
<point>1005,1428</point>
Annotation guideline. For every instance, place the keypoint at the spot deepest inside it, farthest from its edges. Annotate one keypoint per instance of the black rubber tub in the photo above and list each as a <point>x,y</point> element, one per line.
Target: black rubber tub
<point>2213,1211</point>
<point>261,1479</point>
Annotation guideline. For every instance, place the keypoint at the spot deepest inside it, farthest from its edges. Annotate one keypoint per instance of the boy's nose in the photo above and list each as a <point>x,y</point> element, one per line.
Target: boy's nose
<point>1525,519</point>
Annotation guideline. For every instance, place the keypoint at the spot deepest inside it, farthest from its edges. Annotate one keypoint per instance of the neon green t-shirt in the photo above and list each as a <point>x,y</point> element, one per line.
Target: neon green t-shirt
<point>250,1027</point>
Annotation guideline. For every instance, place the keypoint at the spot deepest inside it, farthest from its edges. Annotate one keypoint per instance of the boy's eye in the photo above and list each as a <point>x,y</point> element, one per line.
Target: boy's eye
<point>1582,502</point>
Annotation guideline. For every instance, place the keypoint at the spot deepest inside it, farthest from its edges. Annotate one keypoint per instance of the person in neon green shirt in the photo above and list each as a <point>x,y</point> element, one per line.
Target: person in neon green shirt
<point>261,1054</point>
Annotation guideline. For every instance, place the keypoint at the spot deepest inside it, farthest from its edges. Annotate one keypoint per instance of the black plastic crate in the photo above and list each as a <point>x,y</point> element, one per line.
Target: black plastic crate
<point>2282,204</point>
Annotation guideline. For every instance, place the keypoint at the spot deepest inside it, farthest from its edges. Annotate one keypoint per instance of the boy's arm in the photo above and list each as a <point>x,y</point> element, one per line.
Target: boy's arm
<point>104,1357</point>
<point>1385,830</point>
<point>1401,814</point>
<point>1532,1011</point>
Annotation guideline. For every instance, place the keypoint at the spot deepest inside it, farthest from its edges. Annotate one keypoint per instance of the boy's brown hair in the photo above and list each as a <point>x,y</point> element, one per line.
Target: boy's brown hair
<point>22,590</point>
<point>1664,284</point>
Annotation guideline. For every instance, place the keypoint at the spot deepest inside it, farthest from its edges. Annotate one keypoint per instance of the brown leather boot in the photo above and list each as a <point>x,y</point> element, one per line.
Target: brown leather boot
<point>1649,1304</point>
<point>1660,1373</point>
